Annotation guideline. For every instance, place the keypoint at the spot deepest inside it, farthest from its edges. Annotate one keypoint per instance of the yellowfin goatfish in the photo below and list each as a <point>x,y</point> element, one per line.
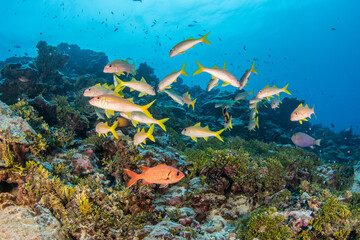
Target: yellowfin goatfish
<point>222,74</point>
<point>275,103</point>
<point>243,95</point>
<point>141,136</point>
<point>170,78</point>
<point>120,67</point>
<point>137,117</point>
<point>255,100</point>
<point>181,47</point>
<point>270,91</point>
<point>301,113</point>
<point>100,90</point>
<point>225,103</point>
<point>245,78</point>
<point>212,83</point>
<point>253,114</point>
<point>140,86</point>
<point>253,124</point>
<point>176,97</point>
<point>198,131</point>
<point>118,104</point>
<point>103,128</point>
<point>187,99</point>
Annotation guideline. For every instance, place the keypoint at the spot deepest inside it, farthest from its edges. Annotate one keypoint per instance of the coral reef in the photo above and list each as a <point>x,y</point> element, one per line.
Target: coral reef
<point>58,175</point>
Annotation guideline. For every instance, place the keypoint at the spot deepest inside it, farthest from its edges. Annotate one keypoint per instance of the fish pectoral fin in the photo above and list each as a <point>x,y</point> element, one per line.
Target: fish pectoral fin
<point>206,138</point>
<point>145,183</point>
<point>194,138</point>
<point>300,121</point>
<point>305,119</point>
<point>134,123</point>
<point>142,94</point>
<point>225,84</point>
<point>163,185</point>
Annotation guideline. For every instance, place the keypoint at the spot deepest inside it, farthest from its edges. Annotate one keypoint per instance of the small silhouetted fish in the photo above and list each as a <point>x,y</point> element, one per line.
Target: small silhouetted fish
<point>137,0</point>
<point>333,29</point>
<point>191,25</point>
<point>9,50</point>
<point>40,33</point>
<point>245,47</point>
<point>26,54</point>
<point>116,29</point>
<point>220,39</point>
<point>112,12</point>
<point>269,55</point>
<point>332,125</point>
<point>195,21</point>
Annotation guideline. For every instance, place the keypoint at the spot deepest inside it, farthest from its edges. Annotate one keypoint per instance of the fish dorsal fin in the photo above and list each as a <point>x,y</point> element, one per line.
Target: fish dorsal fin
<point>142,130</point>
<point>143,80</point>
<point>130,100</point>
<point>216,66</point>
<point>138,130</point>
<point>300,105</point>
<point>275,86</point>
<point>161,165</point>
<point>198,124</point>
<point>144,169</point>
<point>207,128</point>
<point>191,38</point>
<point>267,86</point>
<point>98,85</point>
<point>174,71</point>
<point>127,60</point>
<point>224,67</point>
<point>307,106</point>
<point>106,124</point>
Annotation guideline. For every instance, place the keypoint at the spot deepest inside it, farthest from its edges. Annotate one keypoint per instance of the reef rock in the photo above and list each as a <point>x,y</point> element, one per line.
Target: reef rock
<point>17,222</point>
<point>356,185</point>
<point>18,72</point>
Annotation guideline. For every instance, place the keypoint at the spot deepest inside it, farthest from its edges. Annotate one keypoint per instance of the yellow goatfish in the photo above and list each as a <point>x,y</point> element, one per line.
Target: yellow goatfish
<point>222,74</point>
<point>100,90</point>
<point>198,131</point>
<point>140,86</point>
<point>170,78</point>
<point>137,117</point>
<point>119,67</point>
<point>141,136</point>
<point>181,47</point>
<point>268,91</point>
<point>175,96</point>
<point>301,113</point>
<point>103,128</point>
<point>253,124</point>
<point>187,99</point>
<point>245,78</point>
<point>118,104</point>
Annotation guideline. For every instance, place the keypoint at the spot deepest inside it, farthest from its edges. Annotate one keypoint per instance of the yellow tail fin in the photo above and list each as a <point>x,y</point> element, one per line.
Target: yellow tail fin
<point>145,109</point>
<point>161,123</point>
<point>204,40</point>
<point>285,89</point>
<point>252,68</point>
<point>112,129</point>
<point>193,104</point>
<point>119,86</point>
<point>201,68</point>
<point>150,132</point>
<point>182,70</point>
<point>217,134</point>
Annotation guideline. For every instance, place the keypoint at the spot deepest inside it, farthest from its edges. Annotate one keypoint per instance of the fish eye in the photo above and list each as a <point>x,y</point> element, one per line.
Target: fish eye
<point>296,113</point>
<point>110,65</point>
<point>178,173</point>
<point>98,98</point>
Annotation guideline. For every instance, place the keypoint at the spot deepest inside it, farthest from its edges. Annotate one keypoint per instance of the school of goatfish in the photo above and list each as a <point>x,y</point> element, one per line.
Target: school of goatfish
<point>110,99</point>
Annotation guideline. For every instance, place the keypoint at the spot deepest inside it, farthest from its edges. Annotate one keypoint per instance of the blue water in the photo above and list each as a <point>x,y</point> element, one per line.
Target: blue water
<point>313,45</point>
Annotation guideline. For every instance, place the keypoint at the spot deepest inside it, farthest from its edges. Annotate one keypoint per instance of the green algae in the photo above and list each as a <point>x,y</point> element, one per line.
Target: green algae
<point>265,225</point>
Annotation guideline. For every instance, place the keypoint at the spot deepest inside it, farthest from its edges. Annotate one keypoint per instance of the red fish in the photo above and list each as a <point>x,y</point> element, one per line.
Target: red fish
<point>160,174</point>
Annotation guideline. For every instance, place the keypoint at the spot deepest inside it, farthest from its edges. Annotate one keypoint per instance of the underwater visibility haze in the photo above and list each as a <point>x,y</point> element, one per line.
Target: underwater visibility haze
<point>143,119</point>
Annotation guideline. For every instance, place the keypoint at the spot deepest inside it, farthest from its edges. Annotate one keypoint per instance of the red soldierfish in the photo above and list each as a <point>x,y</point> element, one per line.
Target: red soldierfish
<point>160,174</point>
